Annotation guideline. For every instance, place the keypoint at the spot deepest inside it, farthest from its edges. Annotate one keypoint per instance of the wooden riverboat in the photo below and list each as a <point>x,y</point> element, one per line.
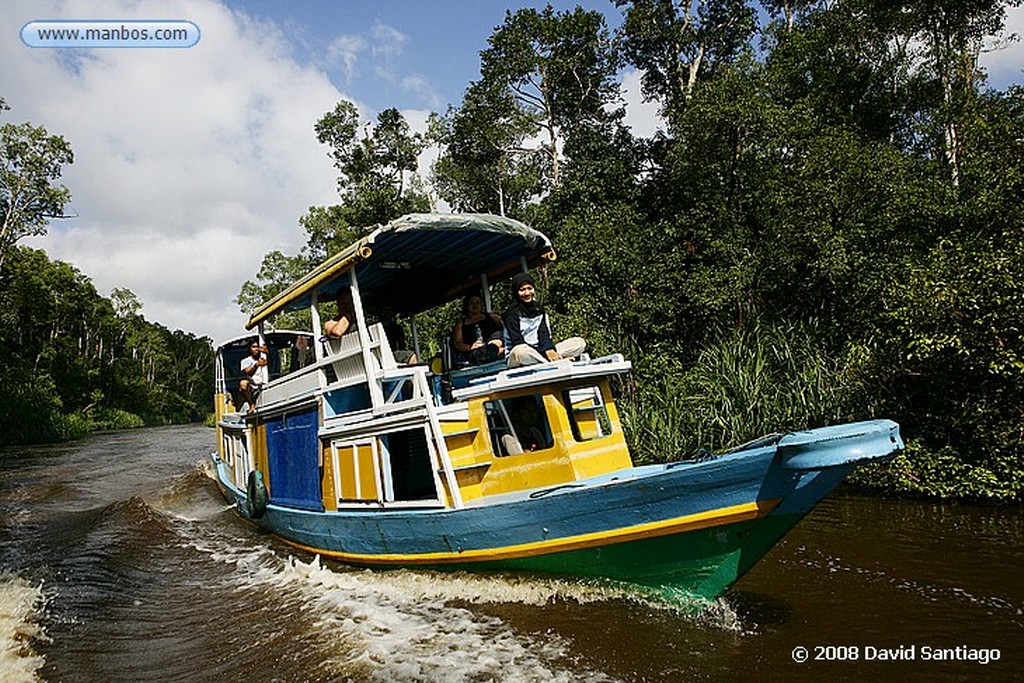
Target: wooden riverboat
<point>353,456</point>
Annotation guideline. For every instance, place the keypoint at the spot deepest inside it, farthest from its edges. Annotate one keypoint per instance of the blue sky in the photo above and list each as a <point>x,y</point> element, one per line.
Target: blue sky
<point>416,54</point>
<point>409,54</point>
<point>191,164</point>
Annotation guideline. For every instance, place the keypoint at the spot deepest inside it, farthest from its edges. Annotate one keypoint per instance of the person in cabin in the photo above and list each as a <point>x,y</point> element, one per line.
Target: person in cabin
<point>478,337</point>
<point>254,369</point>
<point>395,334</point>
<point>526,424</point>
<point>345,321</point>
<point>301,353</point>
<point>527,333</point>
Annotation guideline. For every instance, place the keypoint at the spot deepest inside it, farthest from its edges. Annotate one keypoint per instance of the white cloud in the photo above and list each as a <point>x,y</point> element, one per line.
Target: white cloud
<point>386,47</point>
<point>420,86</point>
<point>642,117</point>
<point>344,52</point>
<point>1005,63</point>
<point>388,42</point>
<point>190,164</point>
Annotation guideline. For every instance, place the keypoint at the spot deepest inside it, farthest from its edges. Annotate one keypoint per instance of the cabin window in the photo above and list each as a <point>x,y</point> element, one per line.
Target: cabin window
<point>236,454</point>
<point>388,468</point>
<point>518,425</point>
<point>588,415</point>
<point>408,469</point>
<point>286,353</point>
<point>295,354</point>
<point>356,471</point>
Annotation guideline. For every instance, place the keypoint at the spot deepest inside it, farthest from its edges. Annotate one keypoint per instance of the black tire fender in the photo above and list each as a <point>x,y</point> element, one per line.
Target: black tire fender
<point>257,495</point>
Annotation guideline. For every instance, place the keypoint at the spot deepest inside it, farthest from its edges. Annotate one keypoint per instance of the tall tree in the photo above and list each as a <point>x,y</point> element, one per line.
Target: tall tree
<point>678,43</point>
<point>31,161</point>
<point>485,165</point>
<point>377,182</point>
<point>791,11</point>
<point>954,32</point>
<point>375,163</point>
<point>557,68</point>
<point>74,359</point>
<point>276,272</point>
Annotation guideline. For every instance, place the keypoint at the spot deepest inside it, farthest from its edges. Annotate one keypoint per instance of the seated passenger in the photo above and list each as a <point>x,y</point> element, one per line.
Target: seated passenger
<point>345,321</point>
<point>527,334</point>
<point>301,353</point>
<point>254,369</point>
<point>526,424</point>
<point>478,336</point>
<point>396,338</point>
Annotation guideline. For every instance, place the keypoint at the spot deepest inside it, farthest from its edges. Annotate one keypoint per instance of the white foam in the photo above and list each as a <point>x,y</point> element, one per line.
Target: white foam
<point>20,606</point>
<point>410,625</point>
<point>399,626</point>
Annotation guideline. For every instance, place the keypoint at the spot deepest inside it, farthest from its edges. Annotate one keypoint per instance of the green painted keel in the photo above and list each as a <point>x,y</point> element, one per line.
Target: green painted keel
<point>702,563</point>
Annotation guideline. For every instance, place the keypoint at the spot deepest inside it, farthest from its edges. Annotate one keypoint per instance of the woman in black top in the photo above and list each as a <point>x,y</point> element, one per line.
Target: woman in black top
<point>527,334</point>
<point>478,336</point>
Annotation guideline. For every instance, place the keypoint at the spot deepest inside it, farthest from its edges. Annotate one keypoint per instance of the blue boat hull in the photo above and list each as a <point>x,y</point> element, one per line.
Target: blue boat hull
<point>689,526</point>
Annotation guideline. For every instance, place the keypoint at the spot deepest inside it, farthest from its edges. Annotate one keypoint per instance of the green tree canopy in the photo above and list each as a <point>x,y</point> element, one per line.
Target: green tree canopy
<point>31,161</point>
<point>377,182</point>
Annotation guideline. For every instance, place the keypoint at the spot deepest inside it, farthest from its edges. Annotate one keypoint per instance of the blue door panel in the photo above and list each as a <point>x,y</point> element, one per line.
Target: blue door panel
<point>294,460</point>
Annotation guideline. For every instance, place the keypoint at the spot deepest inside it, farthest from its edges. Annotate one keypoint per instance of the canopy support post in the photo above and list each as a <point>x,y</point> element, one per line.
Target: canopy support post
<point>415,336</point>
<point>369,363</point>
<point>485,288</point>
<point>314,315</point>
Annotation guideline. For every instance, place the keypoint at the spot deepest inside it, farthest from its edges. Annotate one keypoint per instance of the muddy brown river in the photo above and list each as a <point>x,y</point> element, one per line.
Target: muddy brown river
<point>119,561</point>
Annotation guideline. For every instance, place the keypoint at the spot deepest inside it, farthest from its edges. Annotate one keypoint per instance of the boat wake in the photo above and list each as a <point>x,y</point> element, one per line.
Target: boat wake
<point>21,608</point>
<point>404,625</point>
<point>398,626</point>
<point>193,497</point>
<point>344,623</point>
<point>929,591</point>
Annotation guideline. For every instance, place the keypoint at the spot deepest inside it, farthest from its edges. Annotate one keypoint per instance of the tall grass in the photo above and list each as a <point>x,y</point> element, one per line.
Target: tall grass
<point>756,381</point>
<point>114,418</point>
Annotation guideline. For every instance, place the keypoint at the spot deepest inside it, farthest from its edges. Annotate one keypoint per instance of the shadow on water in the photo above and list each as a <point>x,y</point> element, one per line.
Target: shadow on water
<point>123,563</point>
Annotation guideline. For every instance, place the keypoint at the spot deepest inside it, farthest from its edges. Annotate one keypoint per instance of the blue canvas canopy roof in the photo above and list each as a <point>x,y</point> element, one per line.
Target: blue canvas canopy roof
<point>419,261</point>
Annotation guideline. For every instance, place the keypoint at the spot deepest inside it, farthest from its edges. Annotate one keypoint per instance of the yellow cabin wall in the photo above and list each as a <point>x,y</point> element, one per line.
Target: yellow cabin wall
<point>330,496</point>
<point>221,404</point>
<point>259,453</point>
<point>470,452</point>
<point>597,456</point>
<point>480,473</point>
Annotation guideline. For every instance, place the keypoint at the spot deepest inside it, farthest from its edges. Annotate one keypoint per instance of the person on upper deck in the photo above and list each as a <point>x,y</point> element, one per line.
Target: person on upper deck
<point>256,374</point>
<point>478,337</point>
<point>345,321</point>
<point>396,338</point>
<point>527,333</point>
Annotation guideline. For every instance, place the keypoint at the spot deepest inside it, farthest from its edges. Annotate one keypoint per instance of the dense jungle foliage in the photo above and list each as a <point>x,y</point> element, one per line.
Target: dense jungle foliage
<point>827,227</point>
<point>75,361</point>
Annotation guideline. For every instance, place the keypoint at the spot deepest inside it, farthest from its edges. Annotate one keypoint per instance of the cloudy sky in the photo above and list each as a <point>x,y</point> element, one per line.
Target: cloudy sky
<point>192,163</point>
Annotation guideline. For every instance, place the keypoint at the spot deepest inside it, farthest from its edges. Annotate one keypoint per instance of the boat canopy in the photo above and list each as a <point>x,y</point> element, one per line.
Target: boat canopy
<point>419,261</point>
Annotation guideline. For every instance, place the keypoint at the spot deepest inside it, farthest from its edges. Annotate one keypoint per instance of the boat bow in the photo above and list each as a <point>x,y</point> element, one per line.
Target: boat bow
<point>849,444</point>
